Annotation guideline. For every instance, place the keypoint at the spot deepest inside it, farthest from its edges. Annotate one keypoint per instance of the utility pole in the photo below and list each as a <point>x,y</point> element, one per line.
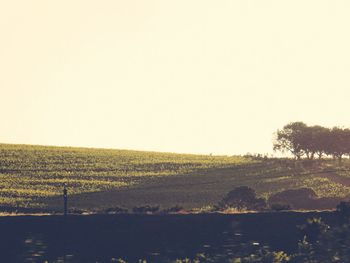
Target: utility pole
<point>65,198</point>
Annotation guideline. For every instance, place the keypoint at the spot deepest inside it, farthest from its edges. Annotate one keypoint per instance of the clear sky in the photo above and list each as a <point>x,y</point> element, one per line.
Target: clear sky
<point>181,76</point>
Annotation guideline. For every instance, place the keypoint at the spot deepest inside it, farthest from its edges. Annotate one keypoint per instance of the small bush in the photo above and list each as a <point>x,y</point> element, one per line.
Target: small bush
<point>295,198</point>
<point>242,198</point>
<point>313,228</point>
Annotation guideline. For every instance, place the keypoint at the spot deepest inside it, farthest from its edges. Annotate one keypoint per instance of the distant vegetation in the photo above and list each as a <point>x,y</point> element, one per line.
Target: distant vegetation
<point>302,140</point>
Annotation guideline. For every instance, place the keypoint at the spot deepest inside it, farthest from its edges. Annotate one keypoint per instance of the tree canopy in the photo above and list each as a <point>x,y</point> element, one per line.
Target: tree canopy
<point>306,141</point>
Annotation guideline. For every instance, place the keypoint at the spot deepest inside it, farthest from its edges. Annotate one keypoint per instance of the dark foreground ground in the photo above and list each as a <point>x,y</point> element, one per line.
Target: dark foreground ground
<point>157,238</point>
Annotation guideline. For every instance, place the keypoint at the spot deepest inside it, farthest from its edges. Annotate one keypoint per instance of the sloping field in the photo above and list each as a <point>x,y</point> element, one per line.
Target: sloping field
<point>29,174</point>
<point>33,177</point>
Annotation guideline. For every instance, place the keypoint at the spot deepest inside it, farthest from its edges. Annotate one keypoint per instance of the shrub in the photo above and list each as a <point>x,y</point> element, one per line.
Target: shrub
<point>293,197</point>
<point>313,228</point>
<point>242,197</point>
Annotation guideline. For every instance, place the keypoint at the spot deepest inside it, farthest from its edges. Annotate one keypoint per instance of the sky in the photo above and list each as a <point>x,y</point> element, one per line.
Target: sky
<point>187,76</point>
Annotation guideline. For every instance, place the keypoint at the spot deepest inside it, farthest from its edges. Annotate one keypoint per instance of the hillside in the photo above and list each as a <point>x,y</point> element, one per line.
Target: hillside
<point>33,176</point>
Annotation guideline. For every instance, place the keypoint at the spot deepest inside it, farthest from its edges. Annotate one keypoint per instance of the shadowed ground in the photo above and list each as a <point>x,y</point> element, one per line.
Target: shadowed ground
<point>99,238</point>
<point>206,189</point>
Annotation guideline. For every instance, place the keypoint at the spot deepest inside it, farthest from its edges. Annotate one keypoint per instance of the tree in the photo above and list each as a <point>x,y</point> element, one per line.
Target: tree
<point>292,138</point>
<point>308,142</point>
<point>302,140</point>
<point>320,140</point>
<point>338,143</point>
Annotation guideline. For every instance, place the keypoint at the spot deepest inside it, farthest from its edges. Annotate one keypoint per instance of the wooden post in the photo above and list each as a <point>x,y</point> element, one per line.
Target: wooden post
<point>65,197</point>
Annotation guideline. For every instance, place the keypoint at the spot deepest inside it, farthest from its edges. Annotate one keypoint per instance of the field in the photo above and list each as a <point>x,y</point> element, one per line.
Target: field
<point>32,177</point>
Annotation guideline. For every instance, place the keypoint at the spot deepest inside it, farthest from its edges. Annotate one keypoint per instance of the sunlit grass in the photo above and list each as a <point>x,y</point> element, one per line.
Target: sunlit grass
<point>31,172</point>
<point>324,187</point>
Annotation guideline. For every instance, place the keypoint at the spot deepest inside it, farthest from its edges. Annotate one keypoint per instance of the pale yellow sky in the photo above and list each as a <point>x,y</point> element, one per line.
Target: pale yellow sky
<point>182,76</point>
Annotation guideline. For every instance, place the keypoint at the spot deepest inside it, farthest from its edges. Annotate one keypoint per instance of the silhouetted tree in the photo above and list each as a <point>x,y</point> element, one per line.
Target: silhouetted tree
<point>302,140</point>
<point>320,140</point>
<point>338,143</point>
<point>291,138</point>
